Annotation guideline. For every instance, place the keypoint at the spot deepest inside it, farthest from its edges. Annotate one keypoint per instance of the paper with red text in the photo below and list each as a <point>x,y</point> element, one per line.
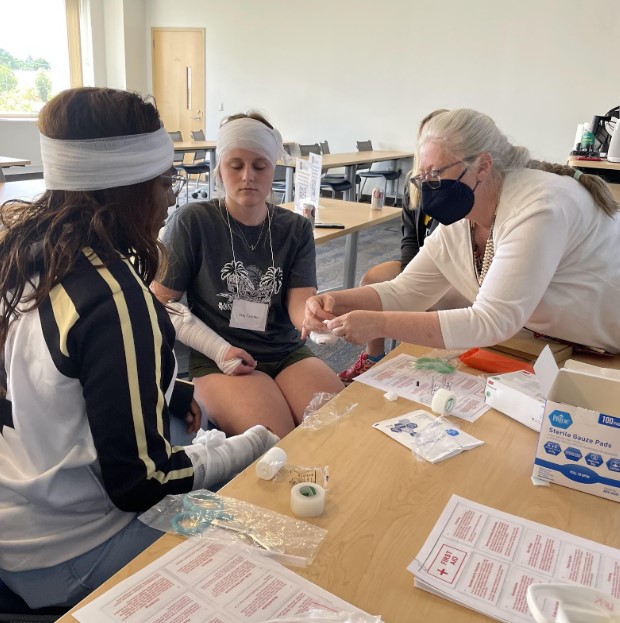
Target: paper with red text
<point>206,582</point>
<point>484,559</point>
<point>400,375</point>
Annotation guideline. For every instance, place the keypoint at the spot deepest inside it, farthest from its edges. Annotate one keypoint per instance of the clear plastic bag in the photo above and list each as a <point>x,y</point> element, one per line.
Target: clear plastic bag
<point>206,515</point>
<point>325,616</point>
<point>441,361</point>
<point>436,438</point>
<point>317,414</point>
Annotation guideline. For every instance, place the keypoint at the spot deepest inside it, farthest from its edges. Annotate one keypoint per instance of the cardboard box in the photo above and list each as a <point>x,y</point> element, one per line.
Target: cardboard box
<point>518,395</point>
<point>525,346</point>
<point>579,442</point>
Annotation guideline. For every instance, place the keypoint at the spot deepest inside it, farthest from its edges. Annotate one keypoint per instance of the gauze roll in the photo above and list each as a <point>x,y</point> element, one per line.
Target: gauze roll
<point>95,164</point>
<point>250,134</point>
<point>197,335</point>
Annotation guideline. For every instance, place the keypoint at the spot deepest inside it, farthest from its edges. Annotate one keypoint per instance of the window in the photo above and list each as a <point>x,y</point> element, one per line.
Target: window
<point>39,54</point>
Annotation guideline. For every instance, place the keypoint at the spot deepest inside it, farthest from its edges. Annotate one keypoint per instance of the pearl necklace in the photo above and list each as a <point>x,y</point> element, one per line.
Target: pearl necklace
<point>482,263</point>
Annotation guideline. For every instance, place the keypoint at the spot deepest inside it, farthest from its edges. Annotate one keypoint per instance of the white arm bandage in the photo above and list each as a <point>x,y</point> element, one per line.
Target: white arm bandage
<point>196,334</point>
<point>214,463</point>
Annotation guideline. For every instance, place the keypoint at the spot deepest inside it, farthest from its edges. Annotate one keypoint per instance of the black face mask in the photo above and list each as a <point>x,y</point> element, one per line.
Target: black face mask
<point>449,203</point>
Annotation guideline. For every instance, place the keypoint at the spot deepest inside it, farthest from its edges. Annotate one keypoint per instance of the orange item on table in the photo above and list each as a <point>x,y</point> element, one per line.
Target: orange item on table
<point>493,362</point>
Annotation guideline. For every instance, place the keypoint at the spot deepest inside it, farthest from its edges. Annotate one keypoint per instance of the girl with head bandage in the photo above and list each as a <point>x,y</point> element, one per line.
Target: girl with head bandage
<point>247,267</point>
<point>89,355</point>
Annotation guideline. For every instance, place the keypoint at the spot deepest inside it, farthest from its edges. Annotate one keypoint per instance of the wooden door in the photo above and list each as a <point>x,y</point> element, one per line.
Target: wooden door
<point>179,78</point>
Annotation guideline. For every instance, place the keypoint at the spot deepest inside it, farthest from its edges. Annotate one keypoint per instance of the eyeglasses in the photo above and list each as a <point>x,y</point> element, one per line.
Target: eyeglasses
<point>433,178</point>
<point>177,183</point>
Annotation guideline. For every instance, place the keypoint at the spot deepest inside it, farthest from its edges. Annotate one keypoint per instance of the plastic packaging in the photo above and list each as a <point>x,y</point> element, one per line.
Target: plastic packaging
<point>435,439</point>
<point>294,474</point>
<point>438,360</point>
<point>319,413</point>
<point>270,463</point>
<point>571,603</point>
<point>325,616</point>
<point>206,515</point>
<point>493,362</point>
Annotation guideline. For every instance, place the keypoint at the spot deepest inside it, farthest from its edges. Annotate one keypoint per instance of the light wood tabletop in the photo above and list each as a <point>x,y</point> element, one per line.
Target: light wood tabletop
<point>355,217</point>
<point>607,170</point>
<point>576,162</point>
<point>5,161</point>
<point>382,503</point>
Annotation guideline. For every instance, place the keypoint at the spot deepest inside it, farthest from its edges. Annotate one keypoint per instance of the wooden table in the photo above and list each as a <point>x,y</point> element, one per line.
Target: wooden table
<point>609,171</point>
<point>382,503</point>
<point>6,161</point>
<point>350,162</point>
<point>25,189</point>
<point>355,217</point>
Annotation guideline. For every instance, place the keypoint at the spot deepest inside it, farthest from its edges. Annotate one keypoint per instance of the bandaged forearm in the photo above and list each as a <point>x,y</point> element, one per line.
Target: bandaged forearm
<point>214,462</point>
<point>197,335</point>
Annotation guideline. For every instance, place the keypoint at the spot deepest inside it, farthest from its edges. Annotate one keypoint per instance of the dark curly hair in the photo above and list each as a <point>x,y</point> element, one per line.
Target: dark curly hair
<point>45,237</point>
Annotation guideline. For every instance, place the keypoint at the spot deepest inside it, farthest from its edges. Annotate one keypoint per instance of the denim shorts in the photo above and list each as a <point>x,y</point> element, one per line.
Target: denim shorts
<point>67,583</point>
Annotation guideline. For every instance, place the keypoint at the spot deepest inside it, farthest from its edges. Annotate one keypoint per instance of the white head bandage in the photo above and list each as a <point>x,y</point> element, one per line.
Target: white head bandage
<point>253,135</point>
<point>95,164</point>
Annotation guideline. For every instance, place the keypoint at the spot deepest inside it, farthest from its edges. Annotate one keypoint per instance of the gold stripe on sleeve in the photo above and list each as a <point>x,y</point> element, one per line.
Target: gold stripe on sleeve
<point>132,376</point>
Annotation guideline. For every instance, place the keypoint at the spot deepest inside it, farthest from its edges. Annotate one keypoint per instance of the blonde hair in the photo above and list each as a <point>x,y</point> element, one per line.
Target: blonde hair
<point>469,133</point>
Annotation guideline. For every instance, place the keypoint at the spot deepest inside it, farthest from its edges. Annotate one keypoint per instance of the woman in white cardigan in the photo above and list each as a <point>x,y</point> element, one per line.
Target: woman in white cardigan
<point>528,243</point>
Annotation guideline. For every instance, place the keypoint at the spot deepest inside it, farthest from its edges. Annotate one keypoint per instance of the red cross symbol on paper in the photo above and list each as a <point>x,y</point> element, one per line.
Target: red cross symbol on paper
<point>442,571</point>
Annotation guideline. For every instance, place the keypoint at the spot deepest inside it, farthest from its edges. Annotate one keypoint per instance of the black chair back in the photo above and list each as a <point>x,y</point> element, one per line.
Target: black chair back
<point>314,148</point>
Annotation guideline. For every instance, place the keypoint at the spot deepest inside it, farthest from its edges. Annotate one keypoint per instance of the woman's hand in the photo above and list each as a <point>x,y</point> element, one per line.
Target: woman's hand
<point>247,363</point>
<point>193,417</point>
<point>318,309</point>
<point>358,327</point>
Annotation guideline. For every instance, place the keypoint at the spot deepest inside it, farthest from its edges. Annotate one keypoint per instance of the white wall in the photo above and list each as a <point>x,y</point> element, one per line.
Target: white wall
<point>343,70</point>
<point>357,69</point>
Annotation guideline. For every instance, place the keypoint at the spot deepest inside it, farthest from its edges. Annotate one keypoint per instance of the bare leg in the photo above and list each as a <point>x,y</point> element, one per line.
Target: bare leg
<point>376,274</point>
<point>236,403</point>
<point>301,381</point>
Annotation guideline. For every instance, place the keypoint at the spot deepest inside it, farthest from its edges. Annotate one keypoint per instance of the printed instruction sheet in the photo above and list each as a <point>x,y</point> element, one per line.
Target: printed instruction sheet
<point>201,581</point>
<point>400,375</point>
<point>485,560</point>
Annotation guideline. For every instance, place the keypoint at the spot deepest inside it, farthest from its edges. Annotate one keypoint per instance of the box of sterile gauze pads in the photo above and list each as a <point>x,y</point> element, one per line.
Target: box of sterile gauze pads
<point>579,442</point>
<point>518,395</point>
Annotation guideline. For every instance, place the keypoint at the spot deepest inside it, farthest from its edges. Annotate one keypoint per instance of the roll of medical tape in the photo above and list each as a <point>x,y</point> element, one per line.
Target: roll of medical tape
<point>443,401</point>
<point>270,463</point>
<point>307,499</point>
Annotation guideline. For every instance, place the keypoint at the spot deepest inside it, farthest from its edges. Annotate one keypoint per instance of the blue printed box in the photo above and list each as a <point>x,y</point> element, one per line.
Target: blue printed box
<point>579,442</point>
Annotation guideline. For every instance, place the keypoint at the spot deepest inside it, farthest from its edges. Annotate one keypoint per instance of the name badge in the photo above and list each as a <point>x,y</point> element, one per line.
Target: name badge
<point>248,315</point>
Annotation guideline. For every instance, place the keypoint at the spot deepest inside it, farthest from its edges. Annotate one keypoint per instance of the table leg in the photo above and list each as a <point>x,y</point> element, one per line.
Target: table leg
<point>350,260</point>
<point>349,174</point>
<point>288,190</point>
<point>212,165</point>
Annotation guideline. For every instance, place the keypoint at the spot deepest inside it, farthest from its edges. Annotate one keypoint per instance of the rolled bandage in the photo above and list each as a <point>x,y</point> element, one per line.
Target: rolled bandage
<point>197,335</point>
<point>270,463</point>
<point>307,500</point>
<point>323,338</point>
<point>443,401</point>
